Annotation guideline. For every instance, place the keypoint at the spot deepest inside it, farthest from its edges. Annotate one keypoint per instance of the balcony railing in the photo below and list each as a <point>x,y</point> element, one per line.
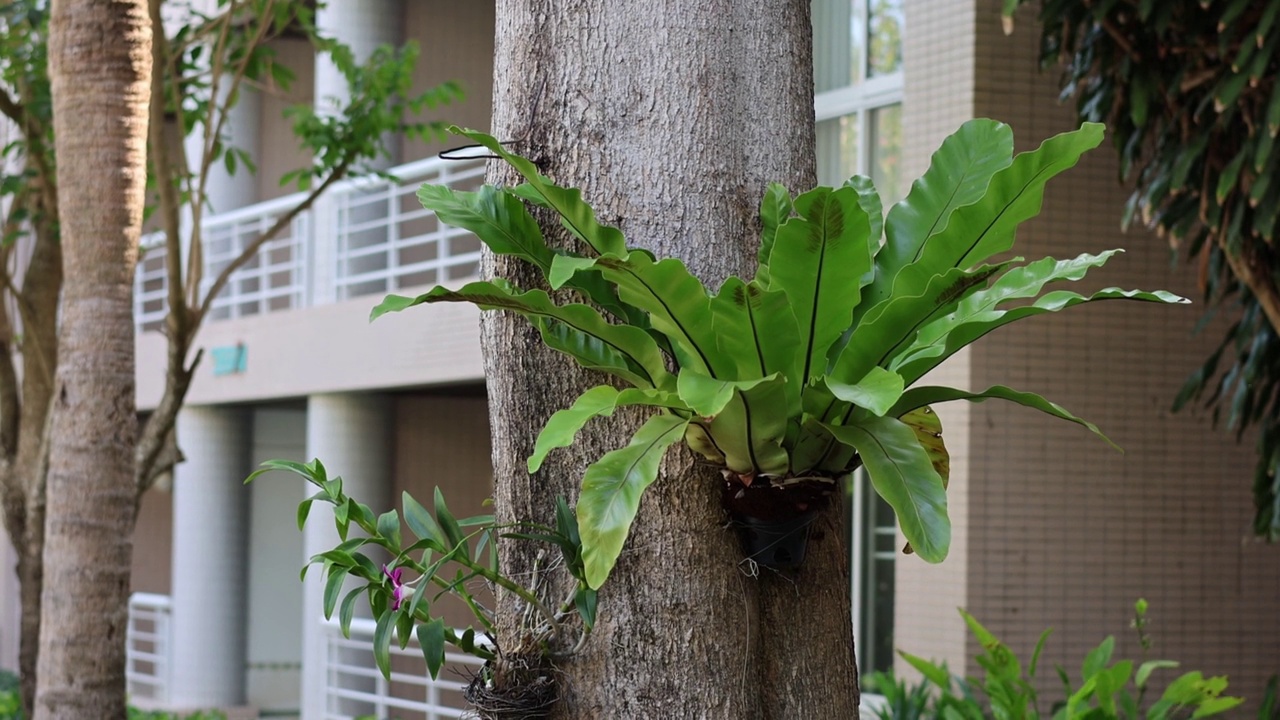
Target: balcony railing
<point>147,649</point>
<point>362,237</point>
<point>355,687</point>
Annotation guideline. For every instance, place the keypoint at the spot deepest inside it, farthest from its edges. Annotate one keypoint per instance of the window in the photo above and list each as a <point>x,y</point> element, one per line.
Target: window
<point>858,91</point>
<point>857,78</point>
<point>873,545</point>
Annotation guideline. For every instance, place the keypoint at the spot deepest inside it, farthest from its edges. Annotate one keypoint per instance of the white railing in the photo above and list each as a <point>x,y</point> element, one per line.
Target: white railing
<point>354,686</point>
<point>386,240</point>
<point>147,648</point>
<point>275,278</point>
<point>362,237</point>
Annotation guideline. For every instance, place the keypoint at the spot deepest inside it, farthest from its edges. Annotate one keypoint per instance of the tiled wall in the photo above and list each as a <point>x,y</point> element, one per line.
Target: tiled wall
<point>938,96</point>
<point>1062,530</point>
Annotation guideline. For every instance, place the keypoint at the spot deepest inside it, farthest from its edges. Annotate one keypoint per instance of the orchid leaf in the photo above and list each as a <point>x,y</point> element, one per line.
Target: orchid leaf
<point>902,473</point>
<point>756,328</point>
<point>576,216</point>
<point>958,175</point>
<point>577,330</point>
<point>818,260</point>
<point>931,395</point>
<point>599,401</point>
<point>775,209</point>
<point>495,216</point>
<point>876,392</point>
<point>431,640</point>
<point>611,492</point>
<point>382,642</point>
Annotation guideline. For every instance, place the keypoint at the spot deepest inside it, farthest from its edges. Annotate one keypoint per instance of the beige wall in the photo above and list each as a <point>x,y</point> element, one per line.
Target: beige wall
<point>938,98</point>
<point>279,148</point>
<point>456,43</point>
<point>1062,530</point>
<point>153,543</point>
<point>328,348</point>
<point>443,441</point>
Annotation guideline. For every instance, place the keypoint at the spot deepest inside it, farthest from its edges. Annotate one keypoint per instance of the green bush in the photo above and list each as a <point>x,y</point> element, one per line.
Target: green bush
<point>1108,689</point>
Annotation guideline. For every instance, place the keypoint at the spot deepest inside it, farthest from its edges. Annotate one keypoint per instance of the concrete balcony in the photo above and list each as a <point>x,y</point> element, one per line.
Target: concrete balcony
<point>293,320</point>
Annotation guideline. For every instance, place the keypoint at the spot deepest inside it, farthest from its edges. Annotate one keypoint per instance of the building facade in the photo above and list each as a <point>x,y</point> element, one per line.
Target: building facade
<point>1052,528</point>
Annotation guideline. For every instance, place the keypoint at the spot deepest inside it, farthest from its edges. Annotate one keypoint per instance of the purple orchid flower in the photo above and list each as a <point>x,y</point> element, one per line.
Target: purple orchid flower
<point>399,591</point>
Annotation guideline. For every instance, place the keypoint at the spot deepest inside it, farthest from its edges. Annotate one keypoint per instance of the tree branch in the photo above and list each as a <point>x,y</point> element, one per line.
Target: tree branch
<point>11,109</point>
<point>252,248</point>
<point>170,204</point>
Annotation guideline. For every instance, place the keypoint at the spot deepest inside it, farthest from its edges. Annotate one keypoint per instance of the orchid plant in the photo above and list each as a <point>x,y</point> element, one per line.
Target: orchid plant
<point>790,379</point>
<point>445,556</point>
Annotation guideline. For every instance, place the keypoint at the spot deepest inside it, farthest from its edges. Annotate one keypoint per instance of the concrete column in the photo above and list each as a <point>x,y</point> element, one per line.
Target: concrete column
<point>351,434</point>
<point>362,25</point>
<point>210,527</point>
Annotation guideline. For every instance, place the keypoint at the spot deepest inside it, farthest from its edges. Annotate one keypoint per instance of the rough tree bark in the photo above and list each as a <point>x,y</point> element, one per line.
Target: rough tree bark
<point>672,117</point>
<point>100,72</point>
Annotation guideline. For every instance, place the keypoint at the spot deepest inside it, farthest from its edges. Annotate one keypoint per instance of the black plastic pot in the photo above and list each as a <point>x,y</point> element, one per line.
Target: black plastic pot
<point>778,544</point>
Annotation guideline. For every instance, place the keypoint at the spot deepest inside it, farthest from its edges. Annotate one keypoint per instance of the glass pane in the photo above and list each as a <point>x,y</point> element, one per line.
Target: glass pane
<point>885,55</point>
<point>837,150</point>
<point>839,44</point>
<point>886,153</point>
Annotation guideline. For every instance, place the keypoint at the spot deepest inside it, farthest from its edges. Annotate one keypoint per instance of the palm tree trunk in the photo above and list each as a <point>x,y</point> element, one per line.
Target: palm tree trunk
<point>99,65</point>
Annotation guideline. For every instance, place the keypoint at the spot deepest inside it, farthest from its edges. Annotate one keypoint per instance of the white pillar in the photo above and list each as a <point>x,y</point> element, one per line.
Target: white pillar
<point>361,25</point>
<point>210,528</point>
<point>223,190</point>
<point>351,434</point>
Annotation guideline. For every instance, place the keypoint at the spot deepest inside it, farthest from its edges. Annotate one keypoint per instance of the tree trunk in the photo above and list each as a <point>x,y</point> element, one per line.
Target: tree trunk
<point>99,66</point>
<point>672,117</point>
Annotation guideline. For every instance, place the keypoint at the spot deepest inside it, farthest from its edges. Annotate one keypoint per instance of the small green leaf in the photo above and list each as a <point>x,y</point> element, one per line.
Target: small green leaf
<point>347,610</point>
<point>933,673</point>
<point>1098,658</point>
<point>585,602</point>
<point>333,588</point>
<point>876,392</point>
<point>420,522</point>
<point>611,491</point>
<point>389,527</point>
<point>304,509</point>
<point>452,532</point>
<point>431,640</point>
<point>382,642</point>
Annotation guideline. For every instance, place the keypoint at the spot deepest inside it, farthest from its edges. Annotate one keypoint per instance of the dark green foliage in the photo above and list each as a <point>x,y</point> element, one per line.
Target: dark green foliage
<point>1188,89</point>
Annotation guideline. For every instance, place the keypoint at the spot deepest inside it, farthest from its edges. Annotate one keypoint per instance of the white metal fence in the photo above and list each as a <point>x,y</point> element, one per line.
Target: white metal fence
<point>355,687</point>
<point>385,240</point>
<point>147,648</point>
<point>363,237</point>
